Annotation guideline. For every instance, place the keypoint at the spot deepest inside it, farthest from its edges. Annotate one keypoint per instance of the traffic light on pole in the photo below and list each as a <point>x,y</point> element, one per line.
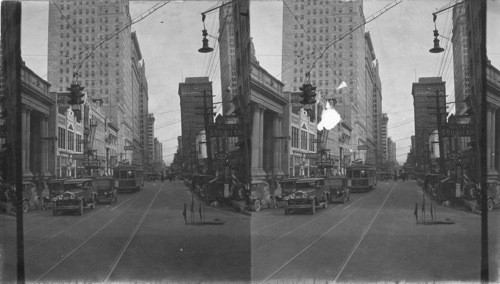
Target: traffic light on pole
<point>312,95</point>
<point>305,93</point>
<point>75,95</point>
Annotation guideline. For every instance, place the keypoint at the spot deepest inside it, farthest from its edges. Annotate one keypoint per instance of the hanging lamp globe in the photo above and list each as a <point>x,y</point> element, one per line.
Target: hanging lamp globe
<point>205,48</point>
<point>436,48</point>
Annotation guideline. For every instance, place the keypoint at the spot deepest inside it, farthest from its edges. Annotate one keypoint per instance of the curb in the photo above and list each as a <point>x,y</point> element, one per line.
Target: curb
<point>238,206</point>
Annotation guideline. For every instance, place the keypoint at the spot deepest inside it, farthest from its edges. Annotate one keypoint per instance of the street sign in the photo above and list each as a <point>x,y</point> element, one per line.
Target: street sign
<point>128,148</point>
<point>452,129</point>
<point>222,130</point>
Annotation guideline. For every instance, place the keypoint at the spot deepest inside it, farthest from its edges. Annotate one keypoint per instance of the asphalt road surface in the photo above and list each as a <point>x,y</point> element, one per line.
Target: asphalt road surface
<point>372,238</point>
<point>143,237</point>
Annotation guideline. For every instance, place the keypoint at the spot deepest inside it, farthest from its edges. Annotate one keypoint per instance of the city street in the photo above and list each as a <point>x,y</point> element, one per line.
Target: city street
<point>374,237</point>
<point>142,237</point>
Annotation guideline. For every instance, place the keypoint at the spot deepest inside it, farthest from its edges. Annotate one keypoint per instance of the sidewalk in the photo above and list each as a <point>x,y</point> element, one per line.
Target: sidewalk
<point>239,206</point>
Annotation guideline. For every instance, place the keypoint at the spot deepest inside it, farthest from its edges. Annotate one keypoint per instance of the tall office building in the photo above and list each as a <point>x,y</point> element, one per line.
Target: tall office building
<point>78,31</point>
<point>383,134</point>
<point>227,58</point>
<point>426,109</point>
<point>460,58</point>
<point>191,94</point>
<point>151,136</point>
<point>308,31</point>
<point>373,92</point>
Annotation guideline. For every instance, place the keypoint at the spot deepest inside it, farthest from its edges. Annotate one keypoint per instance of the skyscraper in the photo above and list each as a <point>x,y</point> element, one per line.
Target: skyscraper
<point>426,108</point>
<point>84,44</point>
<point>385,150</point>
<point>227,57</point>
<point>460,58</point>
<point>309,30</point>
<point>191,94</point>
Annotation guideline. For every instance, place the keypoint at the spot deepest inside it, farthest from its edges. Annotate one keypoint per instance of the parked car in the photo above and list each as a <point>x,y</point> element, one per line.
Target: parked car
<point>55,189</point>
<point>79,195</point>
<point>287,187</point>
<point>30,199</point>
<point>311,193</point>
<point>259,195</point>
<point>493,196</point>
<point>106,190</point>
<point>338,191</point>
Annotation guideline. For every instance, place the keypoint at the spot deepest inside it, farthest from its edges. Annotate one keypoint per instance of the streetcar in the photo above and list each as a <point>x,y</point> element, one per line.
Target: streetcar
<point>361,177</point>
<point>128,178</point>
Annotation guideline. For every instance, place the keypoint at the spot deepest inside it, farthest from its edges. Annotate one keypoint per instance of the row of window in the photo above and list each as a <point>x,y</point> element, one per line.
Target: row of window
<point>305,143</point>
<point>71,143</point>
<point>320,11</point>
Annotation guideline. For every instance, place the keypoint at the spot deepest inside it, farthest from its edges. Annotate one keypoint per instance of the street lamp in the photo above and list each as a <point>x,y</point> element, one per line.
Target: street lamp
<point>205,48</point>
<point>436,48</point>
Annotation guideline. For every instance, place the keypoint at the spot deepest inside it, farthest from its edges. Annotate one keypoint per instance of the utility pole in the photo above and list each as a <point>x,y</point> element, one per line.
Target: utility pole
<point>11,65</point>
<point>439,116</point>
<point>207,113</point>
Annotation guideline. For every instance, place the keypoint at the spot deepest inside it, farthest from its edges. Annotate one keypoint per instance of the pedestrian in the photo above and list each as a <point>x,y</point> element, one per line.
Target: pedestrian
<point>184,213</point>
<point>416,212</point>
<point>432,212</point>
<point>162,178</point>
<point>423,208</point>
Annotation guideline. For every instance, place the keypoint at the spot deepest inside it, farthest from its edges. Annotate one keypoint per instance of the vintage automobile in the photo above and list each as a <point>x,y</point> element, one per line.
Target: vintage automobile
<point>55,189</point>
<point>106,190</point>
<point>30,199</point>
<point>259,195</point>
<point>311,193</point>
<point>79,195</point>
<point>287,187</point>
<point>338,191</point>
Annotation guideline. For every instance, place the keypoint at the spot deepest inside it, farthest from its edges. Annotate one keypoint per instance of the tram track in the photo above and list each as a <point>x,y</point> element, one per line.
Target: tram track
<point>92,236</point>
<point>311,244</point>
<point>74,225</point>
<point>301,226</point>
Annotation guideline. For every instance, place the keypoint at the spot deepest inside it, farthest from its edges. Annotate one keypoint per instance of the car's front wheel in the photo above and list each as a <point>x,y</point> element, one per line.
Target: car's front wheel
<point>54,212</point>
<point>489,204</point>
<point>26,206</point>
<point>256,205</point>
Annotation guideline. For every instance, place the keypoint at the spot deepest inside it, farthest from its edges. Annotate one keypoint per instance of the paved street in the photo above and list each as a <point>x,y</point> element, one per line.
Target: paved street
<point>372,238</point>
<point>142,237</point>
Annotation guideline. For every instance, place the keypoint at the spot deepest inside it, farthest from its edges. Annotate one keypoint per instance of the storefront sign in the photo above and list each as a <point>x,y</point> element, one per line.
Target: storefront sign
<point>363,147</point>
<point>456,129</point>
<point>311,156</point>
<point>224,130</point>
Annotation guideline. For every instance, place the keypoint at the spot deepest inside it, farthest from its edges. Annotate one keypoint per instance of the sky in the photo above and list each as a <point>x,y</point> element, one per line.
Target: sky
<point>170,37</point>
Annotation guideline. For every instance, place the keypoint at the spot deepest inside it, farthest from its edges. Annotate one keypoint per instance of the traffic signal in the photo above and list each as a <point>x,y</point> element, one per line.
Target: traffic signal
<point>312,95</point>
<point>305,93</point>
<point>308,94</point>
<point>75,94</point>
